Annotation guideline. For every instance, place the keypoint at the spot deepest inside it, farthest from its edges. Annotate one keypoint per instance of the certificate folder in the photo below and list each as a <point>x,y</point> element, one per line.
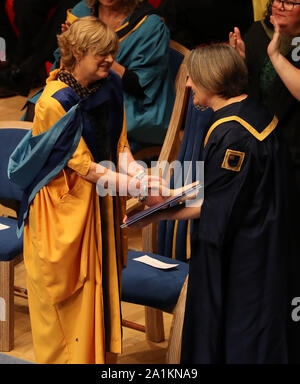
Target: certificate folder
<point>171,202</point>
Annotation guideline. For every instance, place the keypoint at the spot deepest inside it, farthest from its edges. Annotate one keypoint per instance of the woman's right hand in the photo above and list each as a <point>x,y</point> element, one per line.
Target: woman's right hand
<point>236,41</point>
<point>65,26</point>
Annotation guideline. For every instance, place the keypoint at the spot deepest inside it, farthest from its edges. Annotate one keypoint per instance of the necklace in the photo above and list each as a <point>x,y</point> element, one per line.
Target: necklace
<point>113,19</point>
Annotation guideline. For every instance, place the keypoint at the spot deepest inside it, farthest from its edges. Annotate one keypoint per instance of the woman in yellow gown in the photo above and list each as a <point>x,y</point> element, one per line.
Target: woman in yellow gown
<point>73,249</point>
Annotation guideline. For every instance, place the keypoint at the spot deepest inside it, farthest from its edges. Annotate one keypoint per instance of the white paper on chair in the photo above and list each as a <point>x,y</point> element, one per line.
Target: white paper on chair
<point>155,263</point>
<point>2,226</point>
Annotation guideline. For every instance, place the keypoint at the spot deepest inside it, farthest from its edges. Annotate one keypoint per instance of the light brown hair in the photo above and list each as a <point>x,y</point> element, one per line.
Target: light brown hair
<point>86,34</point>
<point>219,69</point>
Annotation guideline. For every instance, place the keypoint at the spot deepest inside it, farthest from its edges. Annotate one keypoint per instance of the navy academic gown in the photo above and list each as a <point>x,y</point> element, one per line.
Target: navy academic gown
<point>243,268</point>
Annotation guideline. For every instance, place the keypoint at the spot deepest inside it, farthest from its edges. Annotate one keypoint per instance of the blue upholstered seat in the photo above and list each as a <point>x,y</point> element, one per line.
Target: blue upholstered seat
<point>153,287</point>
<point>10,245</point>
<point>9,139</point>
<point>11,248</point>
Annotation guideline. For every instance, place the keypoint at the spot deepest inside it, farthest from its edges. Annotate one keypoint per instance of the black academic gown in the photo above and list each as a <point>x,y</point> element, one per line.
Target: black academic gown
<point>240,288</point>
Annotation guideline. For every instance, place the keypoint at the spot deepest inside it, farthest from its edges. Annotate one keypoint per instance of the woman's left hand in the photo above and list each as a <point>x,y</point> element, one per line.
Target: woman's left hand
<point>65,26</point>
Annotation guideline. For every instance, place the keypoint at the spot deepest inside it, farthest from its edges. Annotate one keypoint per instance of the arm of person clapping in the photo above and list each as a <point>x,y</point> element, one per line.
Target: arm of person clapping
<point>236,41</point>
<point>289,74</point>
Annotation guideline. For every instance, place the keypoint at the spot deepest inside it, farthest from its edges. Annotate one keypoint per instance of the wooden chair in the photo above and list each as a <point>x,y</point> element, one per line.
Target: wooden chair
<point>11,248</point>
<point>167,153</point>
<point>171,144</point>
<point>177,53</point>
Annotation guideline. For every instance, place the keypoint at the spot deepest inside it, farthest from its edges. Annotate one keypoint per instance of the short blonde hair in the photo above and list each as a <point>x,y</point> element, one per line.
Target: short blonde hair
<point>219,69</point>
<point>86,34</point>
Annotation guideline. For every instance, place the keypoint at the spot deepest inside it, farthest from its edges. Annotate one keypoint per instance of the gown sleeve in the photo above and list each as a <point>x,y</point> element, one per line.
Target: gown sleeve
<point>231,172</point>
<point>81,159</point>
<point>146,54</point>
<point>47,113</point>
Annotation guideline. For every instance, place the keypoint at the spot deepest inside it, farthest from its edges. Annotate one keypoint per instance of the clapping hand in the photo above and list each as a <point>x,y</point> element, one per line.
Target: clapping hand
<point>236,41</point>
<point>65,26</point>
<point>274,46</point>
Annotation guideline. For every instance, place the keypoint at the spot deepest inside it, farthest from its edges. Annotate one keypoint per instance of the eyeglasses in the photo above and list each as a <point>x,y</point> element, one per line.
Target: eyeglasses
<point>287,5</point>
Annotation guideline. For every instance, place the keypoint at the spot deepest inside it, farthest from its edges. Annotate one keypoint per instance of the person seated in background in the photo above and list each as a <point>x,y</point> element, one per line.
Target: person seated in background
<point>142,62</point>
<point>73,249</point>
<point>195,22</point>
<point>6,33</point>
<point>289,74</point>
<point>243,273</point>
<point>264,83</point>
<point>38,22</point>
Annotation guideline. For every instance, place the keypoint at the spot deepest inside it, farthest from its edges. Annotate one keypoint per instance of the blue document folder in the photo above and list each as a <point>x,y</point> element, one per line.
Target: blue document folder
<point>170,202</point>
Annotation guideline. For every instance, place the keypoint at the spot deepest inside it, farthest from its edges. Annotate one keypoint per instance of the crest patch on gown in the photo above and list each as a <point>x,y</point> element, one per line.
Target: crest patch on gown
<point>233,160</point>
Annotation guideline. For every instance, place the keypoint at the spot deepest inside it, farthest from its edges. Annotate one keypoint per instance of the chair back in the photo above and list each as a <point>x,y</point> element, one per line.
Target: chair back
<point>174,235</point>
<point>171,145</point>
<point>9,139</point>
<point>177,53</point>
<point>169,150</point>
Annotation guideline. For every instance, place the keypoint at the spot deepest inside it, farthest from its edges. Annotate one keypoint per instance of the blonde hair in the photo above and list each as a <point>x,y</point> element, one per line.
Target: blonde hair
<point>127,4</point>
<point>86,34</point>
<point>219,69</point>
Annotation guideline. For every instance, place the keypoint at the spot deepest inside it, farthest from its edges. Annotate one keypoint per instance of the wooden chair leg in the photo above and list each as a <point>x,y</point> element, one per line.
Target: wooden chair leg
<point>154,324</point>
<point>111,358</point>
<point>6,306</point>
<point>174,346</point>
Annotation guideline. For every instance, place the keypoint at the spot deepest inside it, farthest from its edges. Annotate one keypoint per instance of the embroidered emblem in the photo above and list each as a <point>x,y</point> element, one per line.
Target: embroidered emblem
<point>233,160</point>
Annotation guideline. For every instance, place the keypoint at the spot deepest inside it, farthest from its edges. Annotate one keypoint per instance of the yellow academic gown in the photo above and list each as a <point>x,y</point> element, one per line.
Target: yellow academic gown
<point>259,9</point>
<point>65,240</point>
